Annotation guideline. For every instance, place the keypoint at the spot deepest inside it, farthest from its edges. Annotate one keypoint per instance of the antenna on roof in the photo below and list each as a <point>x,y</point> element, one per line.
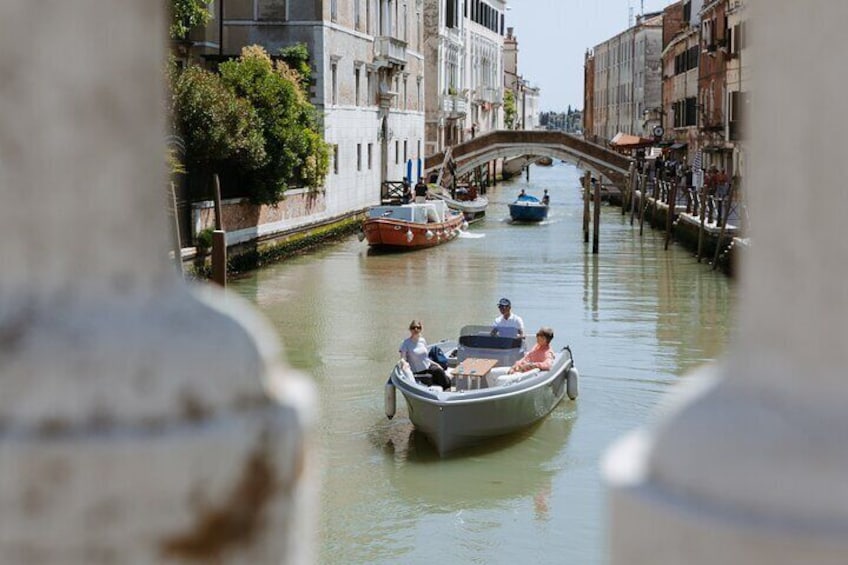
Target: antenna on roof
<point>630,16</point>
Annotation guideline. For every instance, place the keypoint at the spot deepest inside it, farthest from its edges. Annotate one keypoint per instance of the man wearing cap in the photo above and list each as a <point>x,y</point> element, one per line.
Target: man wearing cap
<point>507,319</point>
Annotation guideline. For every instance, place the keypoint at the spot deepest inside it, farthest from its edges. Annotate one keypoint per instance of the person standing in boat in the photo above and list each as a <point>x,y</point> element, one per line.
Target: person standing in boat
<point>546,199</point>
<point>406,196</point>
<point>540,357</point>
<point>414,351</point>
<point>507,319</point>
<point>420,191</point>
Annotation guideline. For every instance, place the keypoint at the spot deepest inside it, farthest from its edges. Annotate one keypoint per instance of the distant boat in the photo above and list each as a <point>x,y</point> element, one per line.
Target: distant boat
<point>411,226</point>
<point>545,162</point>
<point>467,200</point>
<point>528,208</point>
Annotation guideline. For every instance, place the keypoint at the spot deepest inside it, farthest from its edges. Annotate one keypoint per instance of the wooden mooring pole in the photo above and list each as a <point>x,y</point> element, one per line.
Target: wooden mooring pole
<point>672,210</point>
<point>178,255</point>
<point>587,182</point>
<point>633,185</point>
<point>597,220</point>
<point>628,191</point>
<point>723,224</point>
<point>219,240</point>
<point>702,209</point>
<point>643,202</point>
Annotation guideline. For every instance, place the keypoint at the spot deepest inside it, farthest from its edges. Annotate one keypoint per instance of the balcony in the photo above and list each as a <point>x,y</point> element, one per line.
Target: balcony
<point>454,105</point>
<point>389,51</point>
<point>487,95</point>
<point>460,106</point>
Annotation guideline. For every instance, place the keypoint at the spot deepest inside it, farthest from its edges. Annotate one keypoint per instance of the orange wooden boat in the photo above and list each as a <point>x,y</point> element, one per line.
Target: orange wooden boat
<point>411,226</point>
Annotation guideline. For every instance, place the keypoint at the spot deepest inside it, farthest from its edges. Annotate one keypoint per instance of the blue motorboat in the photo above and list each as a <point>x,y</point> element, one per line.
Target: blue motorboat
<point>528,208</point>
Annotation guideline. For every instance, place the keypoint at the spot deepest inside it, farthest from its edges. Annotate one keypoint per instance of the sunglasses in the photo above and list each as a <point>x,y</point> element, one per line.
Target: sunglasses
<point>414,327</point>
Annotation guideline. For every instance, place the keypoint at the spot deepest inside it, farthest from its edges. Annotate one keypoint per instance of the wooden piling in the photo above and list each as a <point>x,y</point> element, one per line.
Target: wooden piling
<point>219,257</point>
<point>216,185</point>
<point>633,184</point>
<point>655,192</point>
<point>723,224</point>
<point>672,208</point>
<point>587,183</point>
<point>597,211</point>
<point>702,208</point>
<point>219,240</point>
<point>178,255</point>
<point>628,190</point>
<point>643,203</point>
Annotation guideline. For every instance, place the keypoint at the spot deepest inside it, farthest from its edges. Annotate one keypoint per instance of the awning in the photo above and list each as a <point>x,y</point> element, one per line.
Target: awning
<point>626,141</point>
<point>679,145</point>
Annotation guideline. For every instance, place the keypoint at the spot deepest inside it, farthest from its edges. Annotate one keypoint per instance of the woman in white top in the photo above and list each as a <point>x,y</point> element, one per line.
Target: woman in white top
<point>414,351</point>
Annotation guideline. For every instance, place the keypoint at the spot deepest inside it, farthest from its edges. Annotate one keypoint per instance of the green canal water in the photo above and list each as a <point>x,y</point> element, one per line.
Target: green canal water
<point>637,317</point>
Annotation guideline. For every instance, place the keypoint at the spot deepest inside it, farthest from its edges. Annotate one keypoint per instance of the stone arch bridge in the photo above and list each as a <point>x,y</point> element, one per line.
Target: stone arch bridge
<point>516,143</point>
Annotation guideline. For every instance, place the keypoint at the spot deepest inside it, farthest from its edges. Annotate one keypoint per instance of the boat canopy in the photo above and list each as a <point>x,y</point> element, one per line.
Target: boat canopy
<point>433,211</point>
<point>527,198</point>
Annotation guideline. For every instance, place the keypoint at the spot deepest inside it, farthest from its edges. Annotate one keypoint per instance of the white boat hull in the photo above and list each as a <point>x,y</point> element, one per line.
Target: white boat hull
<point>453,420</point>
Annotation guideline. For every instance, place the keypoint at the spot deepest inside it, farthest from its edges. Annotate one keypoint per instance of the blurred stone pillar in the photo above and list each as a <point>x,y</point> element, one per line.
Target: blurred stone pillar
<point>750,465</point>
<point>139,422</point>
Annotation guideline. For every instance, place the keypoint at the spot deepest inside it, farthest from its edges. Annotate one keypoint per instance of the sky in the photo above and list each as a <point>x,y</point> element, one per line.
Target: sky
<point>553,36</point>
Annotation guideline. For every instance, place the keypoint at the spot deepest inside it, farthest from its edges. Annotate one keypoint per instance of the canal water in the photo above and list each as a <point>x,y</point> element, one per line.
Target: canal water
<point>637,317</point>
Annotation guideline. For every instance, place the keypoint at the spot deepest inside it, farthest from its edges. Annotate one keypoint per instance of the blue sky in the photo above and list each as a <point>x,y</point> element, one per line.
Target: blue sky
<point>553,36</point>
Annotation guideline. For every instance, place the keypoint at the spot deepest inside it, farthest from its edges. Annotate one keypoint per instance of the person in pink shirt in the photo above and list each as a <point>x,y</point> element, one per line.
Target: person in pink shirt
<point>540,357</point>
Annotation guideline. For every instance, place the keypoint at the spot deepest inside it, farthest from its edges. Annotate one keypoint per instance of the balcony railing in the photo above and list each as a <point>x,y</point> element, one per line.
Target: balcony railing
<point>460,106</point>
<point>489,94</point>
<point>454,105</point>
<point>389,51</point>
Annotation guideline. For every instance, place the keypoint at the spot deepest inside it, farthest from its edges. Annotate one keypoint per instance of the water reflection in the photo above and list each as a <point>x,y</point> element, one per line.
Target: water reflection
<point>515,466</point>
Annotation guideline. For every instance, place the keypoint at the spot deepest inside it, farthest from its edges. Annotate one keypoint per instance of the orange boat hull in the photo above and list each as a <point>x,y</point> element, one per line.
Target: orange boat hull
<point>384,232</point>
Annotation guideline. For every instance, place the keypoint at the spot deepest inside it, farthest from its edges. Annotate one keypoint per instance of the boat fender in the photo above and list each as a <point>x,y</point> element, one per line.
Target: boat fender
<point>464,225</point>
<point>428,235</point>
<point>409,236</point>
<point>390,399</point>
<point>571,388</point>
<point>361,235</point>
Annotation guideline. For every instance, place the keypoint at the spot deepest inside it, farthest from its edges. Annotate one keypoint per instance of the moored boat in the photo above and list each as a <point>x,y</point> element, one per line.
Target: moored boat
<point>528,208</point>
<point>467,200</point>
<point>485,401</point>
<point>411,226</point>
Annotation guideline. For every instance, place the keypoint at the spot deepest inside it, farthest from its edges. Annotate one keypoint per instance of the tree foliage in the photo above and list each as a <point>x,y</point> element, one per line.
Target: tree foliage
<point>509,109</point>
<point>296,154</point>
<point>217,127</point>
<point>252,123</point>
<point>188,14</point>
<point>297,58</point>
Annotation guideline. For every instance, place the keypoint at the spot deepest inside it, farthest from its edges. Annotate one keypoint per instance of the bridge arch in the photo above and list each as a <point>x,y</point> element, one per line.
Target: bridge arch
<point>556,145</point>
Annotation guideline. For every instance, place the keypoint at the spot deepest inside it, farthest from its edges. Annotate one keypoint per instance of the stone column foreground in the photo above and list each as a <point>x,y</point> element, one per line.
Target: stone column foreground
<point>140,422</point>
<point>751,464</point>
